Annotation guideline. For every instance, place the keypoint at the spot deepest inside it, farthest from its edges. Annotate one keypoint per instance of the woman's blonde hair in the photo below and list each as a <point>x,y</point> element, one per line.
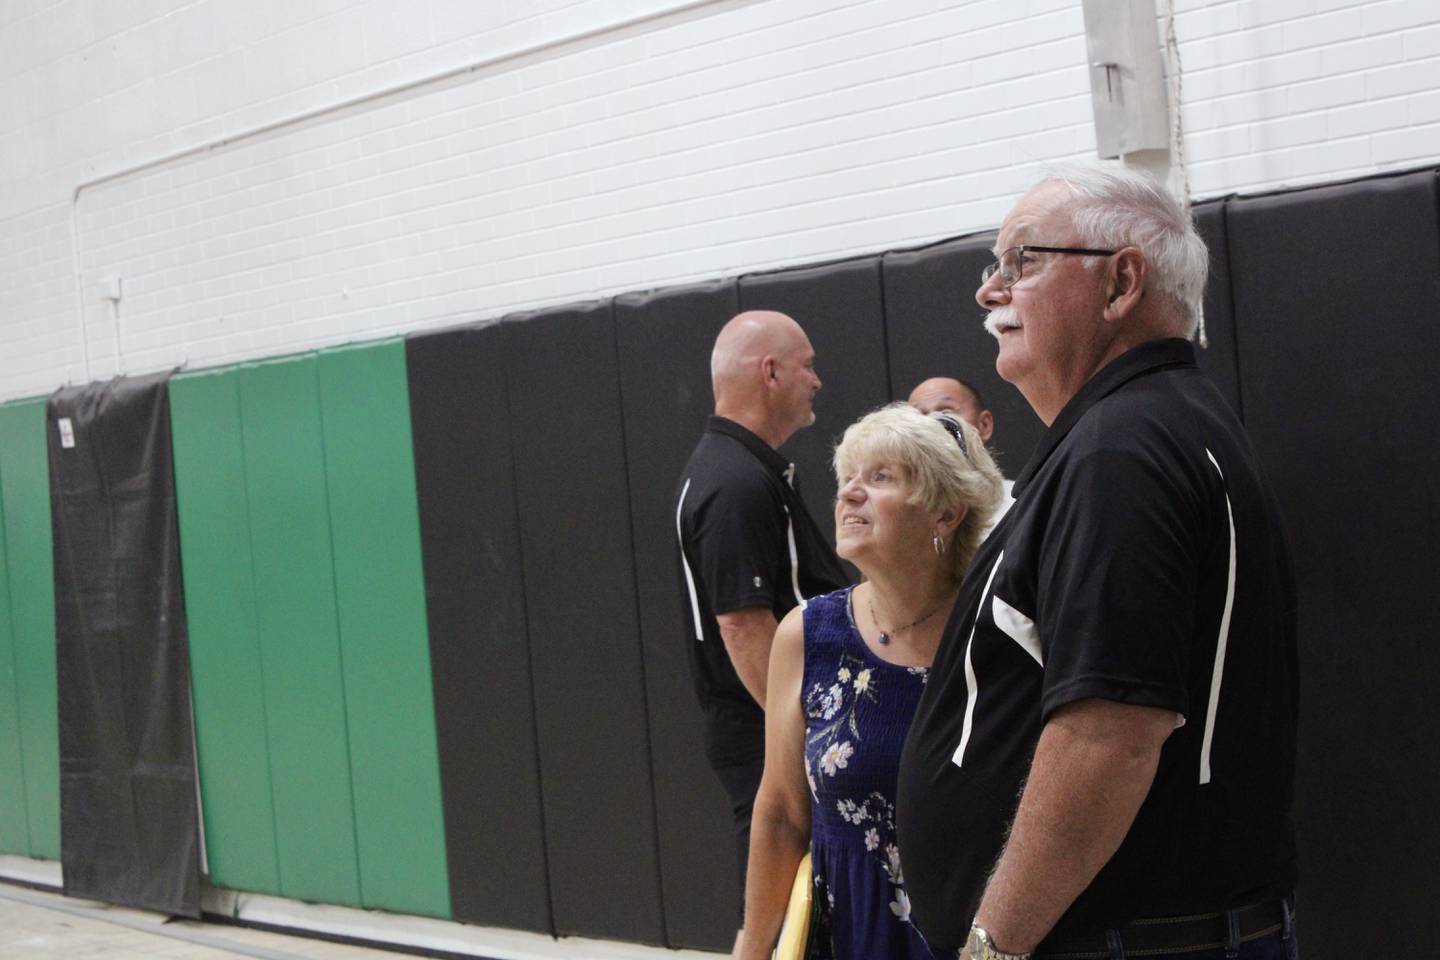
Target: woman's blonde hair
<point>939,475</point>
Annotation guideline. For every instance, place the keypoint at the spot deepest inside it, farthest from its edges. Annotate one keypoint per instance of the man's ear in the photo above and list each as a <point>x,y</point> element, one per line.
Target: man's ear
<point>985,425</point>
<point>1128,271</point>
<point>767,368</point>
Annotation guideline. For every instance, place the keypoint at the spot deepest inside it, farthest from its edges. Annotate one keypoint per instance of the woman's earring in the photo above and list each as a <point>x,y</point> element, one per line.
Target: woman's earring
<point>938,544</point>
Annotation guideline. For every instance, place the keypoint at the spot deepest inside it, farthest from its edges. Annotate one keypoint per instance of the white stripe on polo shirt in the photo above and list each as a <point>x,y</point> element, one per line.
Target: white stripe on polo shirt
<point>1224,637</point>
<point>1017,627</point>
<point>685,562</point>
<point>973,692</point>
<point>794,553</point>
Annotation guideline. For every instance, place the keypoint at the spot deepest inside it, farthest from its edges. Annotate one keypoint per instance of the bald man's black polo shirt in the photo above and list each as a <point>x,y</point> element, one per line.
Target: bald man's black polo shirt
<point>746,540</point>
<point>1143,562</point>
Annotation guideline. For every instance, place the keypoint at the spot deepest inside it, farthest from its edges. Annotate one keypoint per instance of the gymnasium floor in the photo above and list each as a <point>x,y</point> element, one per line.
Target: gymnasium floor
<point>38,925</point>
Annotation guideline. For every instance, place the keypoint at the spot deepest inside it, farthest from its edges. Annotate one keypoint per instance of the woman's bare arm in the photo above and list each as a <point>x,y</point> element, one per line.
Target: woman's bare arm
<point>780,826</point>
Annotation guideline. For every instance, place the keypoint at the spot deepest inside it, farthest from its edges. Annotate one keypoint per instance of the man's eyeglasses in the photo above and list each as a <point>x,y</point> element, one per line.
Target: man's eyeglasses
<point>1011,264</point>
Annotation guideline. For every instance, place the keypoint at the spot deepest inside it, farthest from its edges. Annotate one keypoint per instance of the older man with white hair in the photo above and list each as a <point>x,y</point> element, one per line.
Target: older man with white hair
<point>1102,764</point>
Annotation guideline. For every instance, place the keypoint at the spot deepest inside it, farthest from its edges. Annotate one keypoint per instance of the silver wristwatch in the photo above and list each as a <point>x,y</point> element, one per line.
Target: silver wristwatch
<point>981,947</point>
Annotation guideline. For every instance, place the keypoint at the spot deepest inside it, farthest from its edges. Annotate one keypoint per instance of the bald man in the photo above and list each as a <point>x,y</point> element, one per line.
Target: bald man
<point>948,395</point>
<point>749,549</point>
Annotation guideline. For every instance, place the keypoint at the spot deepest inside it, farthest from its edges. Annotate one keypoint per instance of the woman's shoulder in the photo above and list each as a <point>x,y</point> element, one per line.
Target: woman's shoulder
<point>827,620</point>
<point>827,607</point>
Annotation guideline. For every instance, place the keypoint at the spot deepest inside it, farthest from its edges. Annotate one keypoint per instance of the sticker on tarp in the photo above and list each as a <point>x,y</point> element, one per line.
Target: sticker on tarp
<point>67,433</point>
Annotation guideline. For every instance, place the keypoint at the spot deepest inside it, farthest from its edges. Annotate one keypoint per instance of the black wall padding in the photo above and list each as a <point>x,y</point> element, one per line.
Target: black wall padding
<point>479,646</point>
<point>574,505</point>
<point>936,329</point>
<point>840,306</point>
<point>1218,360</point>
<point>1337,303</point>
<point>664,342</point>
<point>129,824</point>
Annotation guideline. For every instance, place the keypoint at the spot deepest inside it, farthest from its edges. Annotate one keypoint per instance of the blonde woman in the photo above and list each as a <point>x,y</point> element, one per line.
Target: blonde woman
<point>846,672</point>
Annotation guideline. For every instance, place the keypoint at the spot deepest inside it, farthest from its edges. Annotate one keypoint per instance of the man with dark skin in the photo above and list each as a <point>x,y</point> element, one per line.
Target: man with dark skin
<point>948,395</point>
<point>1122,654</point>
<point>749,549</point>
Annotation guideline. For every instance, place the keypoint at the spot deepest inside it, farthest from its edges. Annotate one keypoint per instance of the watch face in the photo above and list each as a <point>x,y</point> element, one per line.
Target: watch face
<point>981,947</point>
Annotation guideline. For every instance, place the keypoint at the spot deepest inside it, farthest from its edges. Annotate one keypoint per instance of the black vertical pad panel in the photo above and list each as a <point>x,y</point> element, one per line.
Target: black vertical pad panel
<point>479,649</point>
<point>128,819</point>
<point>665,340</point>
<point>1218,359</point>
<point>840,306</point>
<point>936,329</point>
<point>584,628</point>
<point>1337,301</point>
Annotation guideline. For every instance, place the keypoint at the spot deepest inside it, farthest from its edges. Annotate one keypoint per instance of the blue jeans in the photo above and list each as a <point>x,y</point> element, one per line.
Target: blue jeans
<point>1280,945</point>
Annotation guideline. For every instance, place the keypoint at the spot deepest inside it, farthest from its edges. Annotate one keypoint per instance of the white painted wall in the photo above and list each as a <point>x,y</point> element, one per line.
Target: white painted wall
<point>264,177</point>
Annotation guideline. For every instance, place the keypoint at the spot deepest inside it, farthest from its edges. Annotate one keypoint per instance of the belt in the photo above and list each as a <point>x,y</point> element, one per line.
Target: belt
<point>1158,935</point>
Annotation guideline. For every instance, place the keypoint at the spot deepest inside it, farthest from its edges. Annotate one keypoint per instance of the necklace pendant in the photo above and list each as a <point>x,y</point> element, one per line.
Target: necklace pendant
<point>884,638</point>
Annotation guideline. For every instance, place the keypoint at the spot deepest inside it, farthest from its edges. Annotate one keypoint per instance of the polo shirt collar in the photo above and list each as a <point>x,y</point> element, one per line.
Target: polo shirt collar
<point>763,452</point>
<point>1146,358</point>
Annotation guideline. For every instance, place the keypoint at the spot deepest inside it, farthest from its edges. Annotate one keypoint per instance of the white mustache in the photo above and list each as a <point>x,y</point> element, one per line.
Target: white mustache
<point>1001,318</point>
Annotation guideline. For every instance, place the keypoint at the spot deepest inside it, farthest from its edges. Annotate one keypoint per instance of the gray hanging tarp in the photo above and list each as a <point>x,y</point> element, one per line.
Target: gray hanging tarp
<point>129,825</point>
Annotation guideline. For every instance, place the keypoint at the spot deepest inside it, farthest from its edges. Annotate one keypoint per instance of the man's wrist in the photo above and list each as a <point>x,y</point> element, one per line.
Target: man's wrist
<point>980,945</point>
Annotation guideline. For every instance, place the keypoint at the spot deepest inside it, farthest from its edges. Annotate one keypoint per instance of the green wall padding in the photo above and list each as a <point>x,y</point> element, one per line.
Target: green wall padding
<point>375,525</point>
<point>290,533</point>
<point>300,544</point>
<point>229,693</point>
<point>14,830</point>
<point>29,569</point>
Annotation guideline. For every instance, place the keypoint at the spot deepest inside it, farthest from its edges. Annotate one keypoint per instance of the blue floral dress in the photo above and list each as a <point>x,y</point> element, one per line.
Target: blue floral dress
<point>858,709</point>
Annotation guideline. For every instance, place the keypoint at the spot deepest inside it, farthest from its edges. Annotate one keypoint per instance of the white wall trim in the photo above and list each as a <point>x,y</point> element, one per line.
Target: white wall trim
<point>426,84</point>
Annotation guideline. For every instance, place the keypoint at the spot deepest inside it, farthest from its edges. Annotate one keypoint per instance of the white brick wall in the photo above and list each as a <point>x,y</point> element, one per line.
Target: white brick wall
<point>637,143</point>
<point>1297,91</point>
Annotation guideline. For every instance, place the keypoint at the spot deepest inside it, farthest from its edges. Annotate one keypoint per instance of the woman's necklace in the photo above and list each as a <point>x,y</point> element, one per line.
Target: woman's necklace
<point>884,635</point>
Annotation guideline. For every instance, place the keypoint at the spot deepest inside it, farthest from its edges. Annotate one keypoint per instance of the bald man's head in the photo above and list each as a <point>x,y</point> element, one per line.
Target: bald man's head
<point>948,395</point>
<point>763,373</point>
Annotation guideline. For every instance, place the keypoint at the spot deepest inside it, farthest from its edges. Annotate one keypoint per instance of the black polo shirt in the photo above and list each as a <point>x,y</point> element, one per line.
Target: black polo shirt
<point>746,540</point>
<point>1143,562</point>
